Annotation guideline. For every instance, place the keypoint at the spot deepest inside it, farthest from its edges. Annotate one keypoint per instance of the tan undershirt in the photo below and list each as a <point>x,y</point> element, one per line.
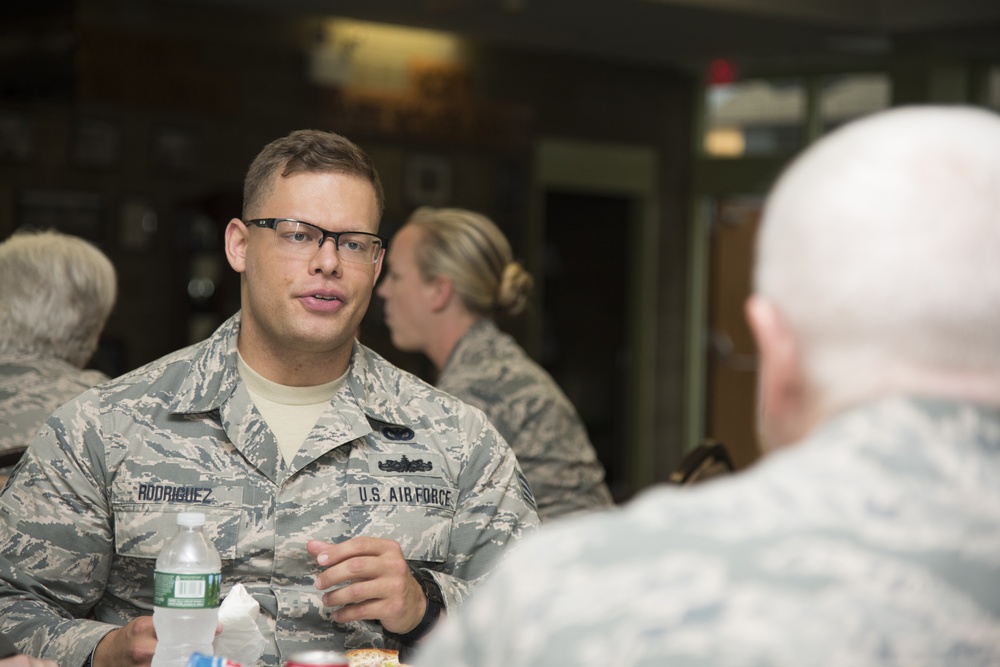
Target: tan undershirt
<point>290,412</point>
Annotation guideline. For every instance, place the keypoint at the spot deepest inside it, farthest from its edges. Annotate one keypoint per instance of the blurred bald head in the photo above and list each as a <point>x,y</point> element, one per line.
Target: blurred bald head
<point>879,253</point>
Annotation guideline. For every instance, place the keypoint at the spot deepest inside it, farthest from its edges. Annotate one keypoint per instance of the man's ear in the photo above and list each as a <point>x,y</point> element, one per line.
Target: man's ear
<point>781,383</point>
<point>237,236</point>
<point>442,289</point>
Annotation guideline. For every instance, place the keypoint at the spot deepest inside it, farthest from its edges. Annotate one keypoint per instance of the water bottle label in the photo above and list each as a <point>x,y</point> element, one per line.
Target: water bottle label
<point>186,591</point>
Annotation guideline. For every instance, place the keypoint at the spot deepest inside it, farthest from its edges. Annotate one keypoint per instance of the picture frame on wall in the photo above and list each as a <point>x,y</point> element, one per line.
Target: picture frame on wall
<point>137,225</point>
<point>96,143</point>
<point>427,180</point>
<point>17,136</point>
<point>73,212</point>
<point>174,151</point>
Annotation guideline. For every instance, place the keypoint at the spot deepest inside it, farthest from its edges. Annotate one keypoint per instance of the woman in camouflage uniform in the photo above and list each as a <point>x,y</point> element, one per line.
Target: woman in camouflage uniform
<point>449,272</point>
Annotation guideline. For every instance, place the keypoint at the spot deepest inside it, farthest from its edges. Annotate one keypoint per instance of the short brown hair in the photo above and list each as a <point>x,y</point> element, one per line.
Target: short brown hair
<point>306,151</point>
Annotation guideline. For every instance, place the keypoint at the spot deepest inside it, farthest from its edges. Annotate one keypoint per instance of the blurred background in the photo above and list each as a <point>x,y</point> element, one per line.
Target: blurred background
<point>624,147</point>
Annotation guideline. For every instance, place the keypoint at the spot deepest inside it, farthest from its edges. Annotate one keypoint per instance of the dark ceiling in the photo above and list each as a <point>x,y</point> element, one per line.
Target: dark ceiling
<point>689,33</point>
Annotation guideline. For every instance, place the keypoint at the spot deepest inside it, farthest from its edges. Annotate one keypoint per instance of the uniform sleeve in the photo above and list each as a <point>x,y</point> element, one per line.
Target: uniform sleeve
<point>557,458</point>
<point>56,539</point>
<point>492,629</point>
<point>546,434</point>
<point>494,511</point>
<point>6,648</point>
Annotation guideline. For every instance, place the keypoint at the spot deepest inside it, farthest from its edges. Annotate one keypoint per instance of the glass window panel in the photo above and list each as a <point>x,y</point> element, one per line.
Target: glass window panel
<point>755,117</point>
<point>846,97</point>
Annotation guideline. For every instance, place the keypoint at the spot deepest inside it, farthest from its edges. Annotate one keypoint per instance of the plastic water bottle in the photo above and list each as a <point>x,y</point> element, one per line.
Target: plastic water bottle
<point>186,582</point>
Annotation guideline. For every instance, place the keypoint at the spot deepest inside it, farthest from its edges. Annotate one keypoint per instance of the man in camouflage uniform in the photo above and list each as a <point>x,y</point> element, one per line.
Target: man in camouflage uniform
<point>449,271</point>
<point>351,529</point>
<point>871,537</point>
<point>56,292</point>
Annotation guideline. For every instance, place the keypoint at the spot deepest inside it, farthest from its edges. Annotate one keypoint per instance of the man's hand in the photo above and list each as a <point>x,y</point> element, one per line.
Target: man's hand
<point>131,645</point>
<point>381,586</point>
<point>25,661</point>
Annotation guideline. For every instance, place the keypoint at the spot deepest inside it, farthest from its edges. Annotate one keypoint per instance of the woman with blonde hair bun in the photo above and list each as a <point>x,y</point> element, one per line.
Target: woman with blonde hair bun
<point>449,272</point>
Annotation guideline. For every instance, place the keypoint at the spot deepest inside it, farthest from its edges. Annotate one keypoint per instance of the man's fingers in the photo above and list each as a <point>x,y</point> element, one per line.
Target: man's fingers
<point>361,611</point>
<point>330,554</point>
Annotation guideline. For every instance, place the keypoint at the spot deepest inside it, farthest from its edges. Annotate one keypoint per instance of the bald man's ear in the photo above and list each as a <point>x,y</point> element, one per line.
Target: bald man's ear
<point>781,384</point>
<point>442,291</point>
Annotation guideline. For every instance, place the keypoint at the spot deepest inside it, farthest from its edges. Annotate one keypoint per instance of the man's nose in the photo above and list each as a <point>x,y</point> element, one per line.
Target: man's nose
<point>326,259</point>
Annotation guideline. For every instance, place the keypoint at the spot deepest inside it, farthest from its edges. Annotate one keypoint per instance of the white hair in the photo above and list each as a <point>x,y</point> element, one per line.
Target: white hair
<point>881,247</point>
<point>56,292</point>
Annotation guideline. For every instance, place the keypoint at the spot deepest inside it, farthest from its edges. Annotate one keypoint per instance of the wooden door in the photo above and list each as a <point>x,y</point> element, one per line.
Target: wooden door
<point>732,357</point>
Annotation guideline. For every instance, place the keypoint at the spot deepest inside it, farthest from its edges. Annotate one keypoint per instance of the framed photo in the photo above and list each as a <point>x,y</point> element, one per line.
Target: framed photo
<point>17,136</point>
<point>174,151</point>
<point>137,225</point>
<point>96,143</point>
<point>72,212</point>
<point>427,181</point>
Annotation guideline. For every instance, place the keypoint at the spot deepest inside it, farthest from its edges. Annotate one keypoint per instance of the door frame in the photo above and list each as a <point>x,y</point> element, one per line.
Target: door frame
<point>631,171</point>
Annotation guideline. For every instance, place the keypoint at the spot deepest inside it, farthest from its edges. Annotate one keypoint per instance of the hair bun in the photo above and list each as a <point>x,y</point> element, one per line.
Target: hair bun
<point>515,285</point>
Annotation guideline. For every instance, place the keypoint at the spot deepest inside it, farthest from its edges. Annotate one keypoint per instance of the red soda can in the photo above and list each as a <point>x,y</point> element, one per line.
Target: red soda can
<point>202,660</point>
<point>316,659</point>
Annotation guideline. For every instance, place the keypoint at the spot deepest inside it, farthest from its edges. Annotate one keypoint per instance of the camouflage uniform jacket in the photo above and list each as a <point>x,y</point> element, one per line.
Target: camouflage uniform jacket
<point>489,370</point>
<point>31,387</point>
<point>876,541</point>
<point>96,497</point>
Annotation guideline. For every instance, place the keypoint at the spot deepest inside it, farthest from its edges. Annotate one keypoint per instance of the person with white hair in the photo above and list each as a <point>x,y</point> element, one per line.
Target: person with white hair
<point>870,532</point>
<point>56,293</point>
<point>450,271</point>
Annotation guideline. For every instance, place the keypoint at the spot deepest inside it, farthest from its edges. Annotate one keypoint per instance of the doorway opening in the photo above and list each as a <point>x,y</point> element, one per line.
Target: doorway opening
<point>587,256</point>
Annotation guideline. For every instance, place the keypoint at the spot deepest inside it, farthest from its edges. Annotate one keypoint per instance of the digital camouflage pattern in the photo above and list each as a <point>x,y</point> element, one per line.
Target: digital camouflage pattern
<point>96,498</point>
<point>489,370</point>
<point>874,542</point>
<point>31,388</point>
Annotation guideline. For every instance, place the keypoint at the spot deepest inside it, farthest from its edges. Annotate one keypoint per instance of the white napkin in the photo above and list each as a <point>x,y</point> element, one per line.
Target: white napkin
<point>240,639</point>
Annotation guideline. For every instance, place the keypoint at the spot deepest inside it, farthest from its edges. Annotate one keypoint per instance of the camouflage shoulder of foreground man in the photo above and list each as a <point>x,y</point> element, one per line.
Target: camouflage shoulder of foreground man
<point>842,550</point>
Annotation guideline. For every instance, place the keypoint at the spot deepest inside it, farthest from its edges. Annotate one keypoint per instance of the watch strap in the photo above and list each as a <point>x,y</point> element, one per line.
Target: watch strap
<point>435,605</point>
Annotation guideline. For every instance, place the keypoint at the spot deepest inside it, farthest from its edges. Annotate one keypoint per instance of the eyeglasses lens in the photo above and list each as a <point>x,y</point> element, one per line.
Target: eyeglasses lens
<point>300,238</point>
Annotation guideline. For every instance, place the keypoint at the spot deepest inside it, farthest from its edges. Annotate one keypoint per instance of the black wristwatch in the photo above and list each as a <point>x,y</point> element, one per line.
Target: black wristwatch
<point>435,604</point>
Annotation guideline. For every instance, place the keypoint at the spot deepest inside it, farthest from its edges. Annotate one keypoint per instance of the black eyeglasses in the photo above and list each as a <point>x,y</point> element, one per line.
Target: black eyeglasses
<point>305,238</point>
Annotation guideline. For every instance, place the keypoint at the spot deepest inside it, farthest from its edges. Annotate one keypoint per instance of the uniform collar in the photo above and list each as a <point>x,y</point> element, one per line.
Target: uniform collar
<point>213,374</point>
<point>213,377</point>
<point>376,391</point>
<point>483,328</point>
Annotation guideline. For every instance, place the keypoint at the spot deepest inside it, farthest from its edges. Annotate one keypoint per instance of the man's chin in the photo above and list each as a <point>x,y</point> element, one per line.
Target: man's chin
<point>321,340</point>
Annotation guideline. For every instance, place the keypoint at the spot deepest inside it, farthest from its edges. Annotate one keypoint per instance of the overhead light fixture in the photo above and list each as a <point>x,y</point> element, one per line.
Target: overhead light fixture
<point>725,142</point>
